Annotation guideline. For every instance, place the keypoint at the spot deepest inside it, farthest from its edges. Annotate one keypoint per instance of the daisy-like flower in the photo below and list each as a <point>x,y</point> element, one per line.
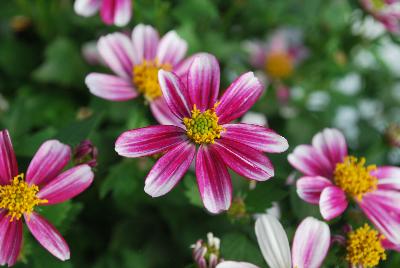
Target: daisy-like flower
<point>204,130</point>
<point>117,12</point>
<point>385,11</point>
<point>310,244</point>
<point>332,177</point>
<point>44,184</point>
<point>136,63</point>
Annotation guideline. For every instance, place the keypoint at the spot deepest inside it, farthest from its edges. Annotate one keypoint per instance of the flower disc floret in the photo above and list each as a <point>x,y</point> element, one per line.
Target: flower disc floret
<point>19,197</point>
<point>279,65</point>
<point>354,177</point>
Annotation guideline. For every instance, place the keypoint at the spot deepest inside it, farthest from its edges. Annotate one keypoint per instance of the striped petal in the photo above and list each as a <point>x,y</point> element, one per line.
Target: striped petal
<point>67,185</point>
<point>8,162</point>
<point>309,188</point>
<point>116,12</point>
<point>244,160</point>
<point>256,137</point>
<point>273,242</point>
<point>86,8</point>
<point>388,177</point>
<point>48,162</point>
<point>47,236</point>
<point>117,51</point>
<point>203,81</point>
<point>110,87</point>
<point>169,169</point>
<point>213,179</point>
<point>311,243</point>
<point>10,240</point>
<point>235,264</point>
<point>175,94</point>
<point>332,202</point>
<point>149,140</point>
<point>163,114</point>
<point>145,42</point>
<point>239,97</point>
<point>172,49</point>
<point>182,68</point>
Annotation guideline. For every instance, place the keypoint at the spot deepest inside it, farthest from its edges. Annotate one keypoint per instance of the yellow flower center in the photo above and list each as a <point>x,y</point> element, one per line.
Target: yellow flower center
<point>19,198</point>
<point>279,65</point>
<point>203,127</point>
<point>364,247</point>
<point>354,177</point>
<point>145,78</point>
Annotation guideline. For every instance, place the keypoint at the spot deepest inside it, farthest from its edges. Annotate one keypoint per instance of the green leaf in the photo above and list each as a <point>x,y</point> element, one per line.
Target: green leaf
<point>191,190</point>
<point>263,195</point>
<point>28,145</point>
<point>238,247</point>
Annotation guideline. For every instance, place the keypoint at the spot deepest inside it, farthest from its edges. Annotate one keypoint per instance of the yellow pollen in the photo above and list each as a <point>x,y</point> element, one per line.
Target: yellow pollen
<point>145,78</point>
<point>19,197</point>
<point>364,247</point>
<point>354,177</point>
<point>279,65</point>
<point>203,127</point>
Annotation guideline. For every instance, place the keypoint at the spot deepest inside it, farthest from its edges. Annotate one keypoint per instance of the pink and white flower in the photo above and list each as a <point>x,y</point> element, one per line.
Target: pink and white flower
<point>45,184</point>
<point>136,63</point>
<point>310,244</point>
<point>206,254</point>
<point>332,178</point>
<point>385,11</point>
<point>203,131</point>
<point>117,12</point>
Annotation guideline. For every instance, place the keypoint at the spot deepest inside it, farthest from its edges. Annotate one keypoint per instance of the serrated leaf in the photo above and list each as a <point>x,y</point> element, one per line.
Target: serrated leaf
<point>238,247</point>
<point>261,198</point>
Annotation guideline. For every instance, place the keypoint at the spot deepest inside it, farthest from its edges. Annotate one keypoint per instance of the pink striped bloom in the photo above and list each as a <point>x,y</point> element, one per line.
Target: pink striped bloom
<point>117,12</point>
<point>332,177</point>
<point>310,244</point>
<point>203,129</point>
<point>136,63</point>
<point>385,11</point>
<point>45,184</point>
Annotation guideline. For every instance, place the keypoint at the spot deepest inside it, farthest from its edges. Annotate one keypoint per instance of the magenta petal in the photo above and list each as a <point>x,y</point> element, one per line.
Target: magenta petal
<point>203,81</point>
<point>149,140</point>
<point>332,144</point>
<point>10,240</point>
<point>256,137</point>
<point>117,51</point>
<point>67,185</point>
<point>182,68</point>
<point>169,169</point>
<point>310,162</point>
<point>175,94</point>
<point>110,87</point>
<point>309,188</point>
<point>332,202</point>
<point>86,8</point>
<point>163,114</point>
<point>388,177</point>
<point>387,244</point>
<point>122,12</point>
<point>48,162</point>
<point>239,97</point>
<point>145,42</point>
<point>213,179</point>
<point>244,160</point>
<point>171,49</point>
<point>47,236</point>
<point>8,162</point>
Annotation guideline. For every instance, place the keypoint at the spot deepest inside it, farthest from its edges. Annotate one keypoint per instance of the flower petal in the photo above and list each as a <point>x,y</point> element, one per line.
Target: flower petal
<point>172,49</point>
<point>244,160</point>
<point>273,242</point>
<point>309,188</point>
<point>332,202</point>
<point>239,97</point>
<point>86,8</point>
<point>175,94</point>
<point>257,137</point>
<point>169,169</point>
<point>182,68</point>
<point>48,162</point>
<point>110,87</point>
<point>116,12</point>
<point>117,51</point>
<point>149,140</point>
<point>145,42</point>
<point>235,264</point>
<point>163,114</point>
<point>213,179</point>
<point>67,185</point>
<point>311,243</point>
<point>309,161</point>
<point>8,162</point>
<point>388,177</point>
<point>332,144</point>
<point>10,240</point>
<point>47,236</point>
<point>389,245</point>
<point>203,81</point>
